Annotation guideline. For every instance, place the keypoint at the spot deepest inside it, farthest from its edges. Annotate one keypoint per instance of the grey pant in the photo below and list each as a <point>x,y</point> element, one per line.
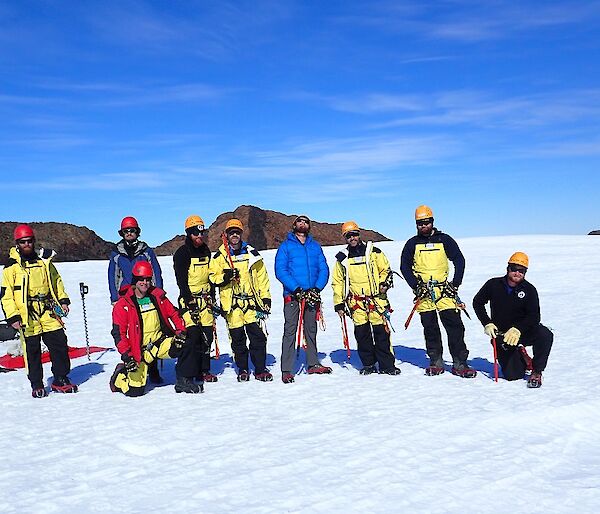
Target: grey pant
<point>291,313</point>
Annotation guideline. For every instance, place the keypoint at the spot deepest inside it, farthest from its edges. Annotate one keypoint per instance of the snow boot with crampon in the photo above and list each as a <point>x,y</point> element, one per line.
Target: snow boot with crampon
<point>264,376</point>
<point>243,376</point>
<point>63,385</point>
<point>187,385</point>
<point>535,380</point>
<point>462,369</point>
<point>319,369</point>
<point>436,367</point>
<point>287,378</point>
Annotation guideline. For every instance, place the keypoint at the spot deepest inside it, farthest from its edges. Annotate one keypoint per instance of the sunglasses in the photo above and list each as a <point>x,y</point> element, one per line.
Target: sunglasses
<point>350,235</point>
<point>144,279</point>
<point>130,231</point>
<point>517,269</point>
<point>24,242</point>
<point>303,220</point>
<point>195,231</point>
<point>422,223</point>
<point>234,233</point>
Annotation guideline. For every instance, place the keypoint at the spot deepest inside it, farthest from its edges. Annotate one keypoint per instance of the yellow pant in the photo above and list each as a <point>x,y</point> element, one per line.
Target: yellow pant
<point>132,383</point>
<point>238,318</point>
<point>38,324</point>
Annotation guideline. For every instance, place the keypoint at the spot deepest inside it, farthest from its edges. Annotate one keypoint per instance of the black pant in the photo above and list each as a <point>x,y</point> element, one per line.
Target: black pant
<point>258,347</point>
<point>374,347</point>
<point>56,341</point>
<point>454,329</point>
<point>510,359</point>
<point>195,354</point>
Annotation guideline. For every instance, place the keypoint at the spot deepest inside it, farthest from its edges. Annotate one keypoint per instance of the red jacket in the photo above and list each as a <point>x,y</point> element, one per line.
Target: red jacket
<point>127,320</point>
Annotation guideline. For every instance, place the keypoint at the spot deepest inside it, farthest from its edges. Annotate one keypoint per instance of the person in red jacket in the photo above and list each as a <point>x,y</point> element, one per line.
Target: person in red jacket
<point>146,327</point>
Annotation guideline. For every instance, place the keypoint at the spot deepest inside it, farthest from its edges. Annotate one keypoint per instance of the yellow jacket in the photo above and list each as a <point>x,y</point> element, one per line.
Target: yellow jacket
<point>253,283</point>
<point>16,285</point>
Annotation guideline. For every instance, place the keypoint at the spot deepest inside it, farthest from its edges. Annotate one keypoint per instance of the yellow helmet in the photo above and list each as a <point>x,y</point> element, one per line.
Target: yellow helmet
<point>349,226</point>
<point>194,221</point>
<point>423,212</point>
<point>519,258</point>
<point>234,223</point>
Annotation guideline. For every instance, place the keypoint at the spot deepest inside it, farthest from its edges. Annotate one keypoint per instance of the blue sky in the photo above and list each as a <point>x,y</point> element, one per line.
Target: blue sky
<point>489,112</point>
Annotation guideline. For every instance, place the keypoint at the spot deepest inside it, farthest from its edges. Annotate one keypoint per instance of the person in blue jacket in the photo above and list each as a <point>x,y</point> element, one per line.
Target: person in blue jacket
<point>126,253</point>
<point>301,267</point>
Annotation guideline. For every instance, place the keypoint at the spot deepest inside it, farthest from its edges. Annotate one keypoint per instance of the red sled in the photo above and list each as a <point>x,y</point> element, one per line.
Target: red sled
<point>17,361</point>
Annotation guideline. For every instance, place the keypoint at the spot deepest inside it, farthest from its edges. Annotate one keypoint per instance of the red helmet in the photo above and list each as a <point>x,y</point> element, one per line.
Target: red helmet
<point>129,222</point>
<point>142,269</point>
<point>22,231</point>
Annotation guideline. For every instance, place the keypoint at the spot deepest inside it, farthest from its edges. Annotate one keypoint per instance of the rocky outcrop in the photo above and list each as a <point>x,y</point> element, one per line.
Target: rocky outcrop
<point>71,242</point>
<point>594,233</point>
<point>266,229</point>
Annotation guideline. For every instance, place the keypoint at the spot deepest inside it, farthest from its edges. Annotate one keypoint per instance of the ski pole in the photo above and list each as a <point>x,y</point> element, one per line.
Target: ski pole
<point>300,326</point>
<point>83,289</point>
<point>495,359</point>
<point>345,335</point>
<point>412,313</point>
<point>216,339</point>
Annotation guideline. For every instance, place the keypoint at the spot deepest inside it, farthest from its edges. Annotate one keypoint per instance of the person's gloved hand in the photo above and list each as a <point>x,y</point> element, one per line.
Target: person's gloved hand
<point>266,302</point>
<point>491,330</point>
<point>297,294</point>
<point>131,364</point>
<point>512,336</point>
<point>313,296</point>
<point>179,340</point>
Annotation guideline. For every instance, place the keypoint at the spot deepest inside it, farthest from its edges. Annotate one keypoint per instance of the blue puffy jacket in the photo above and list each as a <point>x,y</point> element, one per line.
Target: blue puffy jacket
<point>300,265</point>
<point>121,264</point>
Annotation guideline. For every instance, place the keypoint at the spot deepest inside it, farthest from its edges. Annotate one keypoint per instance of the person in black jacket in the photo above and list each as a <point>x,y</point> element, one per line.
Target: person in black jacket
<point>515,321</point>
<point>424,266</point>
<point>196,302</point>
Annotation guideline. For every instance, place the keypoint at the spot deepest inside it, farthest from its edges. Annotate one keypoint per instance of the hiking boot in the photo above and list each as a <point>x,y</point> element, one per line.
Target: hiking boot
<point>319,369</point>
<point>187,385</point>
<point>153,374</point>
<point>391,371</point>
<point>463,370</point>
<point>243,376</point>
<point>287,378</point>
<point>38,391</point>
<point>120,369</point>
<point>63,385</point>
<point>207,376</point>
<point>436,367</point>
<point>264,376</point>
<point>367,370</point>
<point>535,380</point>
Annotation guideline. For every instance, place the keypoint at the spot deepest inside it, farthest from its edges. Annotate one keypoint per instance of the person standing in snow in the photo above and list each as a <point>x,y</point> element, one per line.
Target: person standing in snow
<point>361,279</point>
<point>129,250</point>
<point>238,270</point>
<point>515,321</point>
<point>301,267</point>
<point>425,267</point>
<point>34,301</point>
<point>196,299</point>
<point>146,327</point>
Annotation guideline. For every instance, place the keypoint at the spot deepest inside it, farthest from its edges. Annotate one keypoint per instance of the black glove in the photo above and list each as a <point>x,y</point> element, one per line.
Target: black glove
<point>313,297</point>
<point>298,294</point>
<point>266,305</point>
<point>230,274</point>
<point>177,344</point>
<point>449,290</point>
<point>131,364</point>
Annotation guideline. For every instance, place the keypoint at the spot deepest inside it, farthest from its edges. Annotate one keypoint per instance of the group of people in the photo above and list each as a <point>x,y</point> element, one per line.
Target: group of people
<point>148,327</point>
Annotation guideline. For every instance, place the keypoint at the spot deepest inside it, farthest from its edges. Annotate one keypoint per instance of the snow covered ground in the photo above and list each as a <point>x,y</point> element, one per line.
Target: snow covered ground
<point>334,443</point>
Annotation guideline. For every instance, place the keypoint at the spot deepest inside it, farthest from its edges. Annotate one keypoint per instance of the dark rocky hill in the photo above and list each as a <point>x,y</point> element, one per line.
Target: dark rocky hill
<point>266,229</point>
<point>594,233</point>
<point>71,242</point>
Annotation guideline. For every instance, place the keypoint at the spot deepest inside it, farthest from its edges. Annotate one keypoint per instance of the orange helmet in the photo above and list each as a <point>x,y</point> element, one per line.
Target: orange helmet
<point>422,212</point>
<point>22,231</point>
<point>349,226</point>
<point>234,223</point>
<point>194,221</point>
<point>519,258</point>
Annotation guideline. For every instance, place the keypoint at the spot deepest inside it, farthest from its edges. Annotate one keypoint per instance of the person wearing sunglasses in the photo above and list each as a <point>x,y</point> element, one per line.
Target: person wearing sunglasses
<point>146,327</point>
<point>361,278</point>
<point>515,321</point>
<point>301,267</point>
<point>34,300</point>
<point>238,270</point>
<point>196,300</point>
<point>125,254</point>
<point>425,267</point>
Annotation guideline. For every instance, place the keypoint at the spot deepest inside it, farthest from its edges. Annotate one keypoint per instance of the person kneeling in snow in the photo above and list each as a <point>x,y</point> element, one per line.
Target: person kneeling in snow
<point>146,327</point>
<point>515,321</point>
<point>34,300</point>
